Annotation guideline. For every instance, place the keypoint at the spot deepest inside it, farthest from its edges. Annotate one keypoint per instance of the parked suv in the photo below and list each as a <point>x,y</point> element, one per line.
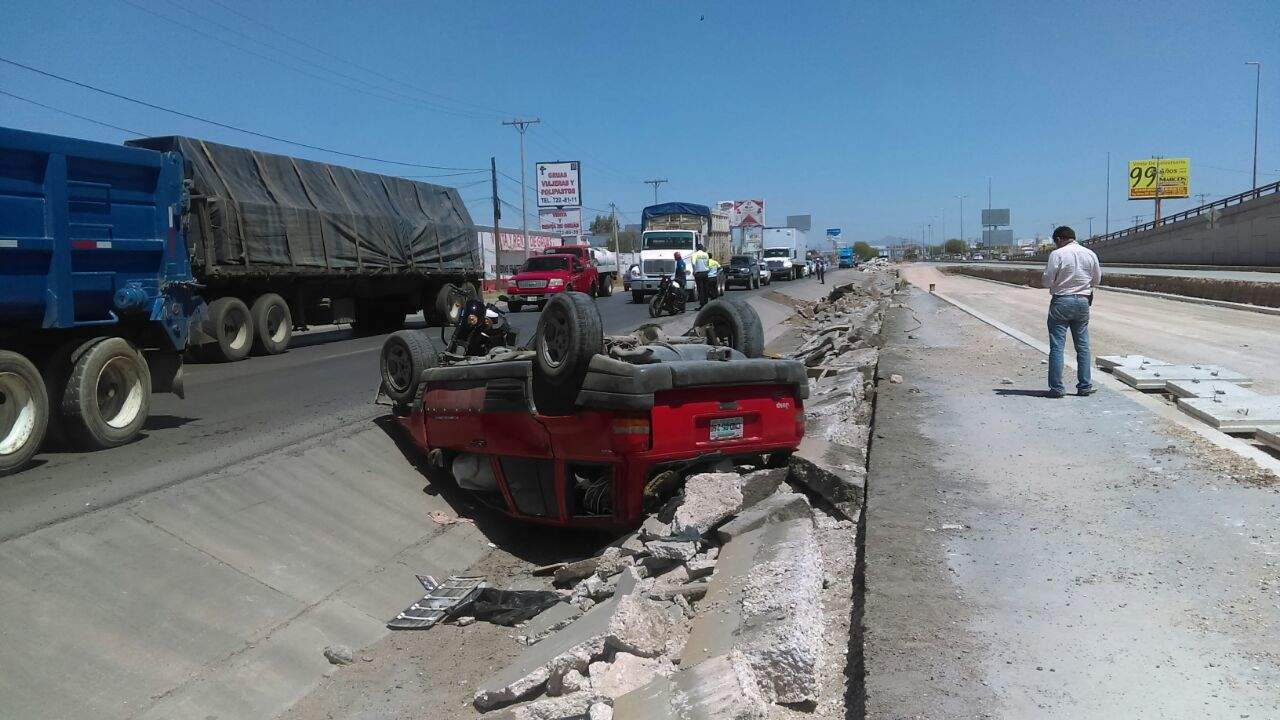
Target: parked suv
<point>743,271</point>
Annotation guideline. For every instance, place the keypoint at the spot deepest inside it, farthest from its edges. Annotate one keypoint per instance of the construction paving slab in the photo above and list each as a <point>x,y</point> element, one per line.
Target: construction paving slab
<point>1154,377</point>
<point>1269,436</point>
<point>1234,415</point>
<point>1208,389</point>
<point>1111,362</point>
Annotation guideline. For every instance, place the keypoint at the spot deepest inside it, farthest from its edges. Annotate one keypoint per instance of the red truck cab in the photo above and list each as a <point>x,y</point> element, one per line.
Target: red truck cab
<point>546,275</point>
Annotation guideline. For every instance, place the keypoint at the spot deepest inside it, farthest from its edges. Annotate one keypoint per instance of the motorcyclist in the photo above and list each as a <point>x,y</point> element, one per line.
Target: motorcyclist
<point>678,276</point>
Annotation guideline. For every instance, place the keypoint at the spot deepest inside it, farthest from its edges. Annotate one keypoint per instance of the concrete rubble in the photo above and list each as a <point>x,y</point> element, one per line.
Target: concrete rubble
<point>736,599</point>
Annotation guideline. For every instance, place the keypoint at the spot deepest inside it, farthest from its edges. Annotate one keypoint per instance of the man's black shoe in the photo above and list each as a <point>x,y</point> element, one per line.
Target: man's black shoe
<point>1088,391</point>
<point>1054,395</point>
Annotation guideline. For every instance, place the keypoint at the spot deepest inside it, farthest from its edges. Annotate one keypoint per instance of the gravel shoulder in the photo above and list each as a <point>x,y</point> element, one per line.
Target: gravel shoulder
<point>1028,557</point>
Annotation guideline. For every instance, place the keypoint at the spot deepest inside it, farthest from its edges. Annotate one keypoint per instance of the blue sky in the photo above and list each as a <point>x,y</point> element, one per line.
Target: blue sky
<point>870,116</point>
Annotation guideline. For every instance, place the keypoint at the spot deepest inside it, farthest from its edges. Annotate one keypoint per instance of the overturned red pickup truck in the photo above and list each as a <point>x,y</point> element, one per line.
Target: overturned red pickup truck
<point>592,431</point>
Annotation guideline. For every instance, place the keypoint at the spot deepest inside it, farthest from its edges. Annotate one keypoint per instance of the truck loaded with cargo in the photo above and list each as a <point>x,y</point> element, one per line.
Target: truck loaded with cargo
<point>116,261</point>
<point>676,227</point>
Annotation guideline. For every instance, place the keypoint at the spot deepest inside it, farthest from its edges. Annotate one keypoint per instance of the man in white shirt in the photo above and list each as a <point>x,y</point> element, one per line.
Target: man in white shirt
<point>1071,275</point>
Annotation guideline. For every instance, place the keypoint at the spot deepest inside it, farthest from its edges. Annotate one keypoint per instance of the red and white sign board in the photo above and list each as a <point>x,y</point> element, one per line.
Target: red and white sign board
<point>558,184</point>
<point>747,213</point>
<point>514,242</point>
<point>566,221</point>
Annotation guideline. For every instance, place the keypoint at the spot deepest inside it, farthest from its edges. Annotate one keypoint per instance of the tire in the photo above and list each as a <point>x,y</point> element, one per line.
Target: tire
<point>229,322</point>
<point>24,411</point>
<point>735,324</point>
<point>515,307</point>
<point>108,395</point>
<point>606,286</point>
<point>569,334</point>
<point>465,293</point>
<point>637,297</point>
<point>439,308</point>
<point>405,354</point>
<point>654,310</point>
<point>594,290</point>
<point>272,324</point>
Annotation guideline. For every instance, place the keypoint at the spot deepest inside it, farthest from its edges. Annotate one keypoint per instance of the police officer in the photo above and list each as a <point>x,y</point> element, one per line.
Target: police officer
<point>701,264</point>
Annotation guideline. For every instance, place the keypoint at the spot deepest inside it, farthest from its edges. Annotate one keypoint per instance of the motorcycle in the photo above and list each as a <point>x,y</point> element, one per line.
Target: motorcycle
<point>669,299</point>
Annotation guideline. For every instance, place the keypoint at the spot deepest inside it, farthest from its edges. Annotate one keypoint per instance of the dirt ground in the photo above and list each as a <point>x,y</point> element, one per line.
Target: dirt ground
<point>1072,558</point>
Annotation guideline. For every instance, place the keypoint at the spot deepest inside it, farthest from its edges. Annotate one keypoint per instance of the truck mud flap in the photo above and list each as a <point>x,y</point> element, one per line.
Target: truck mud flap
<point>166,372</point>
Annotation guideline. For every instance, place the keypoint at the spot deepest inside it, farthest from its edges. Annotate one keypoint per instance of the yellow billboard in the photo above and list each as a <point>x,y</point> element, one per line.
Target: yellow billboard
<point>1175,178</point>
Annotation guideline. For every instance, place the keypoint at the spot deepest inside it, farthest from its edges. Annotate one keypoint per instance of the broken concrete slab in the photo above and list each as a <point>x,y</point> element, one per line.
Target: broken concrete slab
<point>1154,377</point>
<point>1268,435</point>
<point>700,566</point>
<point>760,484</point>
<point>549,621</point>
<point>707,499</point>
<point>572,705</point>
<point>1110,362</point>
<point>626,673</point>
<point>630,623</point>
<point>836,473</point>
<point>1234,415</point>
<point>718,688</point>
<point>1208,389</point>
<point>676,551</point>
<point>600,711</point>
<point>765,602</point>
<point>610,562</point>
<point>781,507</point>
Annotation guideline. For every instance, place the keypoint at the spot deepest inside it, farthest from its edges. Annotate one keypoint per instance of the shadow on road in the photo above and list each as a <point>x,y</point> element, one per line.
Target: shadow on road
<point>535,544</point>
<point>166,422</point>
<point>1004,392</point>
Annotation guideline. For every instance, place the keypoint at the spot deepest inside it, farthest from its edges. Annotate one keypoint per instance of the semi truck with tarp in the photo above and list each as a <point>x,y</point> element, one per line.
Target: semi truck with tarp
<point>116,262</point>
<point>668,228</point>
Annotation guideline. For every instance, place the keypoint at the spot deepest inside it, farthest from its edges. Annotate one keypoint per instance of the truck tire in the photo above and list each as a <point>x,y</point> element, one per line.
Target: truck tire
<point>440,306</point>
<point>637,297</point>
<point>405,354</point>
<point>569,334</point>
<point>108,395</point>
<point>464,293</point>
<point>229,322</point>
<point>735,324</point>
<point>594,290</point>
<point>606,285</point>
<point>24,411</point>
<point>272,323</point>
<point>56,370</point>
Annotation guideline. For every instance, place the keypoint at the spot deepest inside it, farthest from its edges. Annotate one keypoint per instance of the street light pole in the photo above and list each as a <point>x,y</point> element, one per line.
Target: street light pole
<point>521,126</point>
<point>1257,94</point>
<point>1091,217</point>
<point>961,199</point>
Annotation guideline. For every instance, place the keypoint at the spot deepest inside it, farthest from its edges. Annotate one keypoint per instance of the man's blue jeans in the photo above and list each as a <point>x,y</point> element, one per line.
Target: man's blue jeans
<point>1069,312</point>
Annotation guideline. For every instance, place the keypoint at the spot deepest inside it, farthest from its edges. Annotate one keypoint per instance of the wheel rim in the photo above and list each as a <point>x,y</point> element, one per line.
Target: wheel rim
<point>119,392</point>
<point>555,339</point>
<point>17,413</point>
<point>399,366</point>
<point>235,329</point>
<point>277,329</point>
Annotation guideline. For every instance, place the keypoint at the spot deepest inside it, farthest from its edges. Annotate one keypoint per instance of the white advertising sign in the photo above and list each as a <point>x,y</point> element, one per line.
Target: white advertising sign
<point>558,184</point>
<point>747,213</point>
<point>566,221</point>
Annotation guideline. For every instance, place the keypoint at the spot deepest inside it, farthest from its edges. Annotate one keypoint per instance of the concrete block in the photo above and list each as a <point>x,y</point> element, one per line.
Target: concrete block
<point>1110,362</point>
<point>760,484</point>
<point>550,620</point>
<point>1235,415</point>
<point>563,707</point>
<point>676,551</point>
<point>708,498</point>
<point>629,623</point>
<point>764,602</point>
<point>1208,389</point>
<point>779,508</point>
<point>626,673</point>
<point>1154,377</point>
<point>609,562</point>
<point>701,565</point>
<point>718,688</point>
<point>834,472</point>
<point>1269,436</point>
<point>600,711</point>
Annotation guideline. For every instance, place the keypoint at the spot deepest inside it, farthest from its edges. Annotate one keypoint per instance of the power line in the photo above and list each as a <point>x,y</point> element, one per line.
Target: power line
<point>226,126</point>
<point>74,115</point>
<point>352,63</point>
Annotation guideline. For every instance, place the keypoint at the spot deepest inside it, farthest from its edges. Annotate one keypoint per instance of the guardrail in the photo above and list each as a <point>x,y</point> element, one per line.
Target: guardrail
<point>1187,214</point>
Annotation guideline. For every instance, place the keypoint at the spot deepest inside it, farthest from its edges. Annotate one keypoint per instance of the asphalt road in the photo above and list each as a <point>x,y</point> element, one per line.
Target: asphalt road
<point>233,412</point>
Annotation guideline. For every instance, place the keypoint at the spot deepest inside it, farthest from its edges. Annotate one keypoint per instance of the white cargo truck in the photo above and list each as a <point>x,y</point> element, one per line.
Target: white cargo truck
<point>784,252</point>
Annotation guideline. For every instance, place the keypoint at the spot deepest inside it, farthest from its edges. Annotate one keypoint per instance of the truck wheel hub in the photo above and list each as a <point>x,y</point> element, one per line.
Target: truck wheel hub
<point>17,413</point>
<point>119,392</point>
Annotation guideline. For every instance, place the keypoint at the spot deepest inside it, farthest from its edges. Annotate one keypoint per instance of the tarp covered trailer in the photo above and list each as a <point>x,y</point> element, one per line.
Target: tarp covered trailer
<point>279,242</point>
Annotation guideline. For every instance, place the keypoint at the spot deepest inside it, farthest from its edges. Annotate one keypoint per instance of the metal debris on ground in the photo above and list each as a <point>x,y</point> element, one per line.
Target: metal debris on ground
<point>443,600</point>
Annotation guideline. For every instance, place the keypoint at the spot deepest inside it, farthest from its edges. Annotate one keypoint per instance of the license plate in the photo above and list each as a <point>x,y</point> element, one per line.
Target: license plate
<point>534,297</point>
<point>726,428</point>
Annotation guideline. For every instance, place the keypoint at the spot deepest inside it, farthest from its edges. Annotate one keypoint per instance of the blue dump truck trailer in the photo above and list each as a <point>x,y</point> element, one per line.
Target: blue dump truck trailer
<point>845,258</point>
<point>116,262</point>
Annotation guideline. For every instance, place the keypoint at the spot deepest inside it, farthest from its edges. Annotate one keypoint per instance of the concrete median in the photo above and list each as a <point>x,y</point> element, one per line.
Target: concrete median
<point>1244,292</point>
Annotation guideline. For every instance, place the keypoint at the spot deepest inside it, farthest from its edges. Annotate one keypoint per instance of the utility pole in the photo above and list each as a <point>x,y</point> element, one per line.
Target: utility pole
<point>1136,218</point>
<point>1202,196</point>
<point>655,184</point>
<point>1106,229</point>
<point>521,126</point>
<point>497,213</point>
<point>1091,217</point>
<point>613,220</point>
<point>1257,93</point>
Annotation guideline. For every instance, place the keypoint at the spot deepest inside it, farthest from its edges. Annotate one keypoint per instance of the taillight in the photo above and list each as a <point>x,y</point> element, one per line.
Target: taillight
<point>631,434</point>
